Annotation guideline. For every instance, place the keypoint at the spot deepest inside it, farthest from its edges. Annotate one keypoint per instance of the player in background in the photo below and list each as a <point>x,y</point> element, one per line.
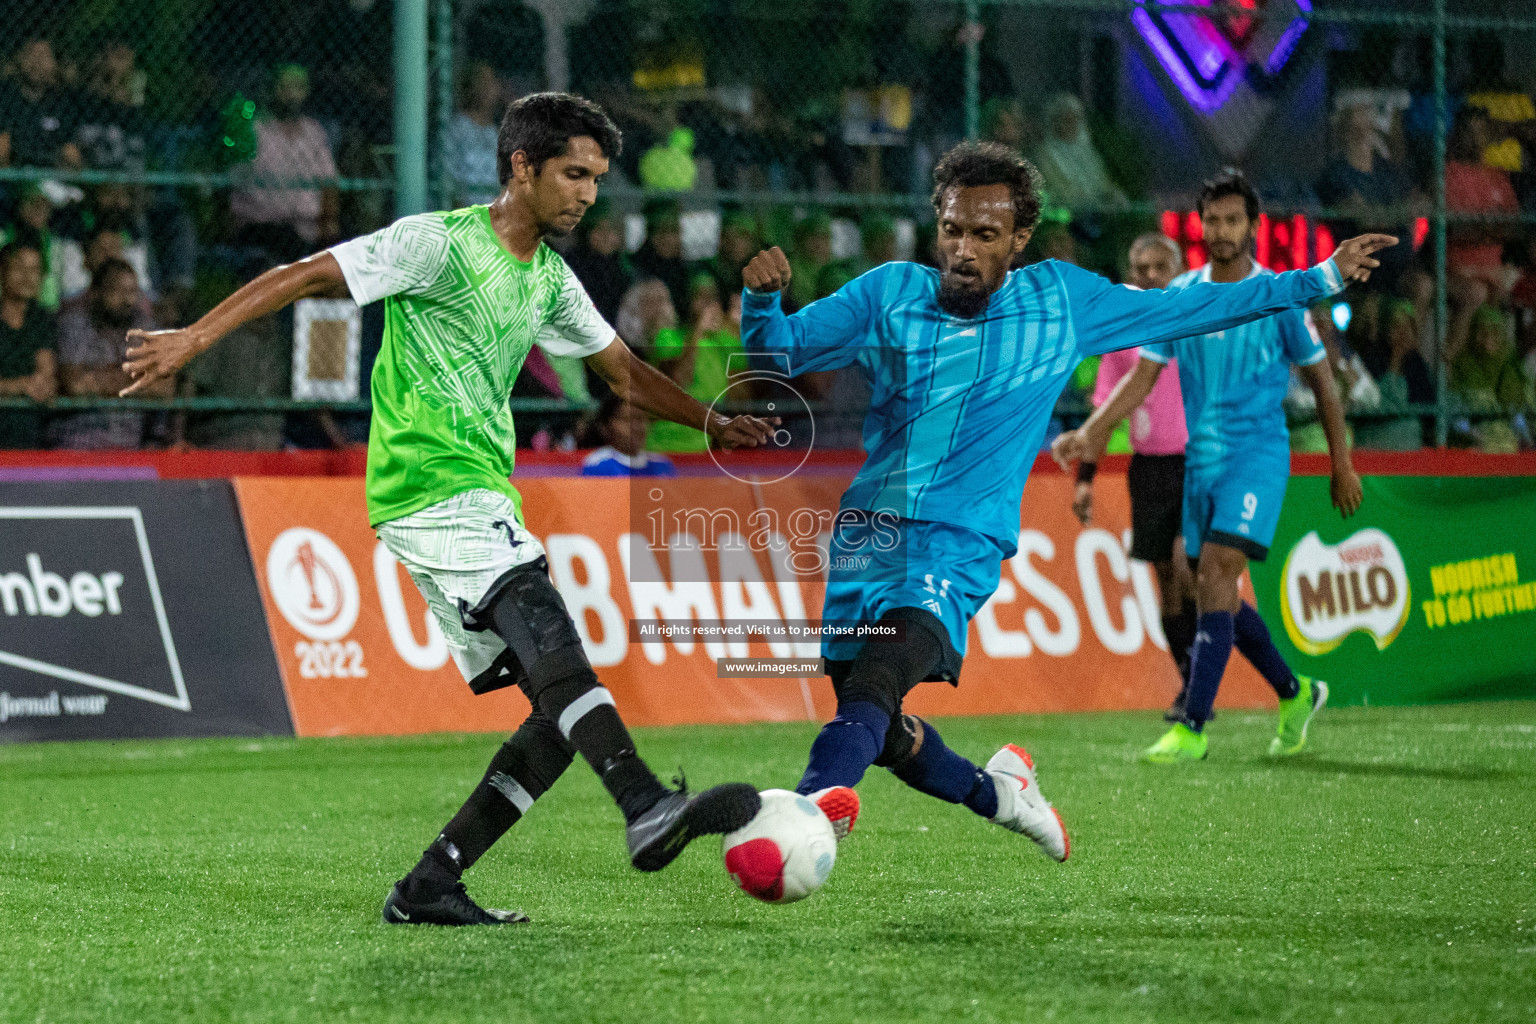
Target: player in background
<point>1237,464</point>
<point>965,363</point>
<point>467,294</point>
<point>1156,474</point>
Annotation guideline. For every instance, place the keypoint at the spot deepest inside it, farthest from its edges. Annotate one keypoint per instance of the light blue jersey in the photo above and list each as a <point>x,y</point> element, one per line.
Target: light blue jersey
<point>960,407</point>
<point>1238,458</point>
<point>1234,380</point>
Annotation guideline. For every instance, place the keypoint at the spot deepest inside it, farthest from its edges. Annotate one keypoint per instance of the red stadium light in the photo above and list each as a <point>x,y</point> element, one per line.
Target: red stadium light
<point>1287,243</point>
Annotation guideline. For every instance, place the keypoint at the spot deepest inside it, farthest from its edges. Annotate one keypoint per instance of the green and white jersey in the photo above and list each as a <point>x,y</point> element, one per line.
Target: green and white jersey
<point>461,315</point>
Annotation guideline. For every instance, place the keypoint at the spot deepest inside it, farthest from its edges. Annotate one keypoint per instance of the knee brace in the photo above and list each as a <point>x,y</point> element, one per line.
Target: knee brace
<point>526,611</point>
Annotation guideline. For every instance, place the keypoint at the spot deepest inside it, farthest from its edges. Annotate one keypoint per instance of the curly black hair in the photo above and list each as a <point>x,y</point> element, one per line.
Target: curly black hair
<point>542,126</point>
<point>1229,182</point>
<point>986,163</point>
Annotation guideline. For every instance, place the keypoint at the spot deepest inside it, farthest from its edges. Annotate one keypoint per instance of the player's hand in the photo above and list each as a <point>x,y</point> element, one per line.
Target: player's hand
<point>767,272</point>
<point>1353,256</point>
<point>156,355</point>
<point>1067,448</point>
<point>1344,488</point>
<point>1082,502</point>
<point>741,431</point>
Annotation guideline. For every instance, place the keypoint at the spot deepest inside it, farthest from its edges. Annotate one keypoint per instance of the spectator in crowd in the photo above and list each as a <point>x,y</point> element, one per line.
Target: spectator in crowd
<point>1002,121</point>
<point>78,262</point>
<point>810,255</point>
<point>28,366</point>
<point>1358,391</point>
<point>92,345</point>
<point>1476,251</point>
<point>661,256</point>
<point>1489,383</point>
<point>877,236</point>
<point>645,312</point>
<point>598,259</point>
<point>1052,241</point>
<point>470,142</point>
<point>740,240</point>
<point>36,113</point>
<point>1074,173</point>
<point>1363,180</point>
<point>254,361</point>
<point>620,428</point>
<point>1511,113</point>
<point>670,165</point>
<point>1390,352</point>
<point>697,360</point>
<point>109,128</point>
<point>287,223</point>
<point>32,227</point>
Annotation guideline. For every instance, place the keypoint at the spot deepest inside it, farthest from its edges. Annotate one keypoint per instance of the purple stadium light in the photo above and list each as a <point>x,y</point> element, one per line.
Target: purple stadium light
<point>1205,59</point>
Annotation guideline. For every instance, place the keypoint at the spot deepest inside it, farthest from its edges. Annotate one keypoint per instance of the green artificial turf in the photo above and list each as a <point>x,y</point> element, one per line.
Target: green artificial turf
<point>1388,874</point>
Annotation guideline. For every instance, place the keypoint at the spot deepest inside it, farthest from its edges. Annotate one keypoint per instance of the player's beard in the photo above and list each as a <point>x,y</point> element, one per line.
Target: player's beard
<point>1224,252</point>
<point>962,302</point>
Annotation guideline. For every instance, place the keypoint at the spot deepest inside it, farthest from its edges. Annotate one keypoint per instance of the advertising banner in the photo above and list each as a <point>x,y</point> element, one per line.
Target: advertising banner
<point>129,609</point>
<point>1074,625</point>
<point>1427,594</point>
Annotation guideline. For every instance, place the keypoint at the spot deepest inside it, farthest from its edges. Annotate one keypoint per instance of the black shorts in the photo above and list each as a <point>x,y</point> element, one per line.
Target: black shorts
<point>1157,505</point>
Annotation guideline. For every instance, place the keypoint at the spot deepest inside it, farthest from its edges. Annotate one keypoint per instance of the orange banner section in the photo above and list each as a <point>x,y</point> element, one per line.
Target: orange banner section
<point>1074,625</point>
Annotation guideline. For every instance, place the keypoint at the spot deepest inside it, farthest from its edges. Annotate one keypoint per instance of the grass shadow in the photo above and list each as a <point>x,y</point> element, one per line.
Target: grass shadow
<point>1391,770</point>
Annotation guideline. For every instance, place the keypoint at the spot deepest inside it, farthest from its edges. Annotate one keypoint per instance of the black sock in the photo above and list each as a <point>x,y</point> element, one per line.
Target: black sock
<point>521,771</point>
<point>1180,631</point>
<point>1252,638</point>
<point>588,719</point>
<point>439,870</point>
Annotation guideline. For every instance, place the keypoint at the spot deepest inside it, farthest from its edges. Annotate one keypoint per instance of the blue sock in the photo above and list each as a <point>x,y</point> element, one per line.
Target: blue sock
<point>846,747</point>
<point>1207,663</point>
<point>1252,638</point>
<point>939,771</point>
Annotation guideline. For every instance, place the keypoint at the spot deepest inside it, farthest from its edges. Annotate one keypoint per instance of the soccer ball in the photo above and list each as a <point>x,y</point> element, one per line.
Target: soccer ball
<point>783,854</point>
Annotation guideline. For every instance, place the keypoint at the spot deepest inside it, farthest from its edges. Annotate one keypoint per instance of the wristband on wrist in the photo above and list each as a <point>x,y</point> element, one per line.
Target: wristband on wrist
<point>1086,471</point>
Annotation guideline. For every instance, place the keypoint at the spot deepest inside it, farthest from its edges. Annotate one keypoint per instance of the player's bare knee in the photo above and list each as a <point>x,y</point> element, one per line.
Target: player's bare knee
<point>1216,580</point>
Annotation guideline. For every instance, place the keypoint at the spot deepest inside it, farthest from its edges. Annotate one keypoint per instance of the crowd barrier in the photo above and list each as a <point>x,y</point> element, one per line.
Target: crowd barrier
<point>267,605</point>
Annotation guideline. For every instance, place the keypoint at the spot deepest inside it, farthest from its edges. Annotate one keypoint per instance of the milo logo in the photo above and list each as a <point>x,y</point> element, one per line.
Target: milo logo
<point>1328,591</point>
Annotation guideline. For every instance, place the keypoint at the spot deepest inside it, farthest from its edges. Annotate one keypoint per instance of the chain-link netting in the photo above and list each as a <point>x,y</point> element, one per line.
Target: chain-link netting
<point>204,140</point>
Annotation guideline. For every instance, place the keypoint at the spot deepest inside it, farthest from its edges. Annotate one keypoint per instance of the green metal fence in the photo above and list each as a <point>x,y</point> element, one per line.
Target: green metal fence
<point>804,107</point>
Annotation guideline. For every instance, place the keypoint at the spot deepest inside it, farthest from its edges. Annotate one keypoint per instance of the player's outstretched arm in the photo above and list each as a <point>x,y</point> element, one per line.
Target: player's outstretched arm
<point>156,355</point>
<point>1344,487</point>
<point>638,382</point>
<point>824,335</point>
<point>1108,317</point>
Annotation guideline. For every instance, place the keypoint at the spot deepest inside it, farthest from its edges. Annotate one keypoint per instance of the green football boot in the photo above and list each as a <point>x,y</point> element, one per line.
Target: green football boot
<point>1179,744</point>
<point>1295,714</point>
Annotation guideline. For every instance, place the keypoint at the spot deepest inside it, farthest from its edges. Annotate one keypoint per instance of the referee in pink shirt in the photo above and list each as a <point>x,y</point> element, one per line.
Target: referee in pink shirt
<point>1156,475</point>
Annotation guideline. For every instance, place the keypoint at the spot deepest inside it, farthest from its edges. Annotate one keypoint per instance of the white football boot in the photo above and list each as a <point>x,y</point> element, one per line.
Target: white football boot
<point>1020,807</point>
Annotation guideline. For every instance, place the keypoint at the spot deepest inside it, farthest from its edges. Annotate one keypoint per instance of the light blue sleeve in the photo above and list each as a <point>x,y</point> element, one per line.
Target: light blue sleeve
<point>826,335</point>
<point>1300,339</point>
<point>1162,352</point>
<point>1106,316</point>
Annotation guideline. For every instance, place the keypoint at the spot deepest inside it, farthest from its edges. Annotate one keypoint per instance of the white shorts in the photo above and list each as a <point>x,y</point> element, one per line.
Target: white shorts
<point>455,551</point>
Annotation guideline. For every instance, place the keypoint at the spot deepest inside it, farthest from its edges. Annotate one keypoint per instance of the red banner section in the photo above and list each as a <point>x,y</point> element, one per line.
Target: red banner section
<point>208,463</point>
<point>1074,625</point>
